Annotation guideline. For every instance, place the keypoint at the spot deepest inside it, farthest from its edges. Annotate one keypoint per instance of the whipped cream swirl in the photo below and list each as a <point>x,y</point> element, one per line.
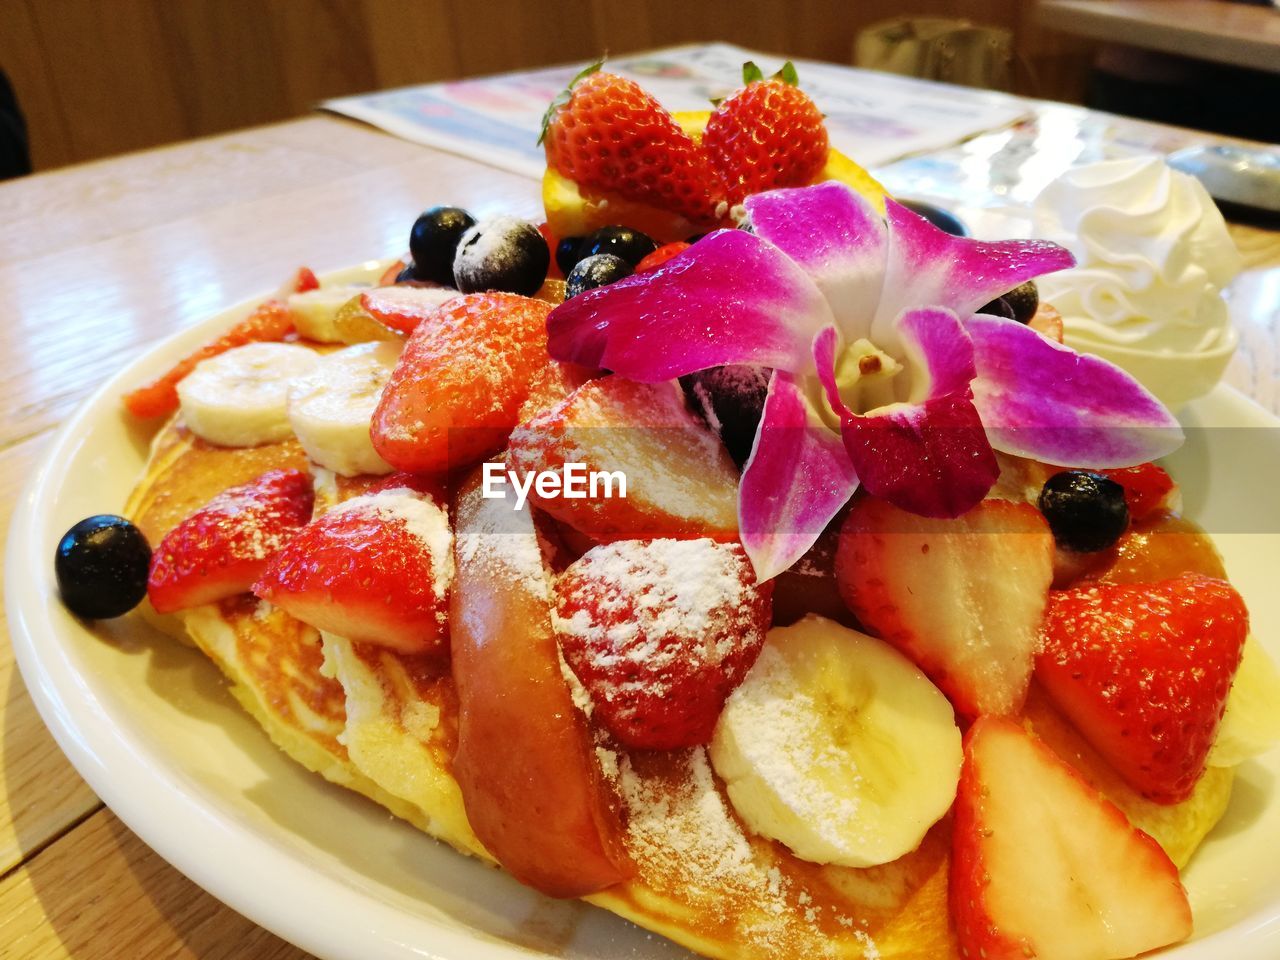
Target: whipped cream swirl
<point>1154,256</point>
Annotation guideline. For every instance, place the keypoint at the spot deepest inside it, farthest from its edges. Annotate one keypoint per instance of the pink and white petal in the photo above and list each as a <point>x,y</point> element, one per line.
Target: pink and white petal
<point>929,458</point>
<point>1043,400</point>
<point>927,265</point>
<point>938,350</point>
<point>836,236</point>
<point>825,347</point>
<point>731,298</point>
<point>796,481</point>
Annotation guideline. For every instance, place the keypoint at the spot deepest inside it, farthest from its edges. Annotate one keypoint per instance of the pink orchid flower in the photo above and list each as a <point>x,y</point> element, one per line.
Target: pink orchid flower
<point>883,374</point>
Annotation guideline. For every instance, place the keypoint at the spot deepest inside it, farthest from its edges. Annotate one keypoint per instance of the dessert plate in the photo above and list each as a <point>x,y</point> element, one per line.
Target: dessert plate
<point>151,728</point>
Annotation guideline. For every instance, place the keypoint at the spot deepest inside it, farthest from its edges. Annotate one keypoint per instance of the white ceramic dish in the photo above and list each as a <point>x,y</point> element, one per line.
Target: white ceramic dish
<point>150,727</point>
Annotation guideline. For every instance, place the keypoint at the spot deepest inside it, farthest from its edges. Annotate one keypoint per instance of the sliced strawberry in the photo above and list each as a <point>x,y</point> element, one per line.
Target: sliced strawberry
<point>679,480</point>
<point>457,389</point>
<point>1143,670</point>
<point>609,136</point>
<point>374,569</point>
<point>767,135</point>
<point>305,279</point>
<point>553,271</point>
<point>1040,861</point>
<point>660,256</point>
<point>271,321</point>
<point>963,597</point>
<point>660,632</point>
<point>402,308</point>
<point>1147,488</point>
<point>222,548</point>
<point>389,275</point>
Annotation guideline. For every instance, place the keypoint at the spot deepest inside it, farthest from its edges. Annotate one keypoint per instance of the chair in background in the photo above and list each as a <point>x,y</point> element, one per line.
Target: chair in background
<point>938,48</point>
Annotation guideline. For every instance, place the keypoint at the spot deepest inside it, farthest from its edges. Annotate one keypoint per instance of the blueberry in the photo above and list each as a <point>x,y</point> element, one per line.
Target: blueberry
<point>505,253</point>
<point>409,274</point>
<point>730,400</point>
<point>1020,303</point>
<point>631,245</point>
<point>999,307</point>
<point>567,254</point>
<point>944,220</point>
<point>694,238</point>
<point>101,566</point>
<point>1086,511</point>
<point>434,240</point>
<point>598,270</point>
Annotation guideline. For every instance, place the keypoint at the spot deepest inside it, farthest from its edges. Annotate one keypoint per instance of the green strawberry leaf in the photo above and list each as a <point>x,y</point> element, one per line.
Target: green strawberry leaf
<point>751,73</point>
<point>788,74</point>
<point>564,97</point>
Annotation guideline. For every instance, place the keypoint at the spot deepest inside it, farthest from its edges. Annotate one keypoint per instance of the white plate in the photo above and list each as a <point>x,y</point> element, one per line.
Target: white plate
<point>150,727</point>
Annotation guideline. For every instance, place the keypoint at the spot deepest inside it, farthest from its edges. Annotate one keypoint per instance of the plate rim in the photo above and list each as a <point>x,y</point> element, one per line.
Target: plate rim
<point>340,934</point>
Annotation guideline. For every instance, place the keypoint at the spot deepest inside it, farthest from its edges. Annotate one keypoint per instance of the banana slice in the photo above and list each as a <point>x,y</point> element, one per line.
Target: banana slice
<point>837,746</point>
<point>1251,724</point>
<point>239,398</point>
<point>315,312</point>
<point>331,407</point>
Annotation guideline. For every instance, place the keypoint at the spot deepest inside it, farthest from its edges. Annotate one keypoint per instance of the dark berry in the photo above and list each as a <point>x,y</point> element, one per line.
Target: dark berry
<point>408,274</point>
<point>944,220</point>
<point>999,307</point>
<point>567,254</point>
<point>730,400</point>
<point>598,270</point>
<point>101,566</point>
<point>694,238</point>
<point>631,245</point>
<point>1025,301</point>
<point>1086,511</point>
<point>434,240</point>
<point>505,253</point>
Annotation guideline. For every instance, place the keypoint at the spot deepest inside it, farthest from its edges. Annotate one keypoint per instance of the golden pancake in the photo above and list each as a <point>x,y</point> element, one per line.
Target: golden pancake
<point>385,725</point>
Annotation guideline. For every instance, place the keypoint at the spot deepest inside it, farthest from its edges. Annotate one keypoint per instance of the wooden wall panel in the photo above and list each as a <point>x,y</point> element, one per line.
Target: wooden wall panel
<point>105,76</point>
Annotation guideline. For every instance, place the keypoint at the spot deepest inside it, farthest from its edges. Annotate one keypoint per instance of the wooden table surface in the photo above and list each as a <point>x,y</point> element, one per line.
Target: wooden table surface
<point>1232,33</point>
<point>98,262</point>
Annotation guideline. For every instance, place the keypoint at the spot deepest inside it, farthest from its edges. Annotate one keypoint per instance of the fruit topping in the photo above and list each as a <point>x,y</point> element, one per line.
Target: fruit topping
<point>315,312</point>
<point>525,762</point>
<point>1148,488</point>
<point>1159,548</point>
<point>402,308</point>
<point>660,256</point>
<point>1143,670</point>
<point>597,270</point>
<point>504,253</point>
<point>303,280</point>
<point>963,598</point>
<point>433,242</point>
<point>240,398</point>
<point>271,321</point>
<point>660,632</point>
<point>631,245</point>
<point>1044,866</point>
<point>220,550</point>
<point>567,253</point>
<point>731,401</point>
<point>1020,303</point>
<point>101,567</point>
<point>610,136</point>
<point>679,480</point>
<point>837,746</point>
<point>374,569</point>
<point>455,392</point>
<point>330,409</point>
<point>768,134</point>
<point>1086,511</point>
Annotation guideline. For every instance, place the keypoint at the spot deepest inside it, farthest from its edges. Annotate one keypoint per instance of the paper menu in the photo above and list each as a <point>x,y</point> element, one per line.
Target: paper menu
<point>873,117</point>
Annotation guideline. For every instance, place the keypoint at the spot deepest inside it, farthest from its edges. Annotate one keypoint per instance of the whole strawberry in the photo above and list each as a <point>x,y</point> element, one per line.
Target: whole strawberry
<point>1143,671</point>
<point>767,135</point>
<point>610,136</point>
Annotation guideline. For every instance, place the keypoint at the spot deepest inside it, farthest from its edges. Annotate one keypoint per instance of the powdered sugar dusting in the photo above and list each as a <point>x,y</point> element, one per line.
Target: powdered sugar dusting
<point>422,518</point>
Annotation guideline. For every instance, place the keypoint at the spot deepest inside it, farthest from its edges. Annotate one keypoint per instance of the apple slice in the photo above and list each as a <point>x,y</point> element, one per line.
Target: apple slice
<point>963,598</point>
<point>532,787</point>
<point>1044,866</point>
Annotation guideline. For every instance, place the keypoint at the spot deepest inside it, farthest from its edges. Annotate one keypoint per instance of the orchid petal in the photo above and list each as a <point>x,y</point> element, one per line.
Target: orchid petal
<point>929,458</point>
<point>1042,400</point>
<point>928,265</point>
<point>732,298</point>
<point>837,237</point>
<point>796,481</point>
